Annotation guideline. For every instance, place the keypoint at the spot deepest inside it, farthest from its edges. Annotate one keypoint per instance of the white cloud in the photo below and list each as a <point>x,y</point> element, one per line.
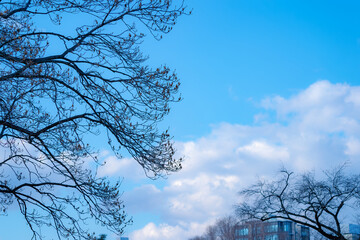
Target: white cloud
<point>317,128</point>
<point>264,151</point>
<point>145,198</point>
<point>165,231</point>
<point>125,167</point>
<point>353,147</point>
<point>321,107</point>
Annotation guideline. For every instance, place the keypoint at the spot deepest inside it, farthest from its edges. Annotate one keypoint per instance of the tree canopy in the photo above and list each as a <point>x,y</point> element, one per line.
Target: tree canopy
<point>317,203</point>
<point>63,80</point>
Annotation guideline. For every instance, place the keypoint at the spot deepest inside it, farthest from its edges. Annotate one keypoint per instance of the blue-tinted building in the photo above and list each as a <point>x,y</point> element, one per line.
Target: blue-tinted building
<point>351,231</point>
<point>271,230</point>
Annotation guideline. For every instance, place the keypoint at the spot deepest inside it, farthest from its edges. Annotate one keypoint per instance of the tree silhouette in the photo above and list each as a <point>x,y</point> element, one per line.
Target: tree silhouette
<point>62,83</point>
<point>303,199</point>
<point>222,229</point>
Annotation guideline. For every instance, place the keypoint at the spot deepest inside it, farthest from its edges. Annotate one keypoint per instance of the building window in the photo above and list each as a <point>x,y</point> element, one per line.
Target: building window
<point>273,227</point>
<point>287,226</point>
<point>272,237</point>
<point>304,231</point>
<point>243,231</point>
<point>256,229</point>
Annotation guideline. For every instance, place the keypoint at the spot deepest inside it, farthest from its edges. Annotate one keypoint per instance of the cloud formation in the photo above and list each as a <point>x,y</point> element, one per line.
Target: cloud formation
<point>315,129</point>
<point>125,167</point>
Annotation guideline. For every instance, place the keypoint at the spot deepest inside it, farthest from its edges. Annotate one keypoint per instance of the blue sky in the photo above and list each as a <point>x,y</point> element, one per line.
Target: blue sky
<point>234,57</point>
<point>265,84</point>
<point>230,54</point>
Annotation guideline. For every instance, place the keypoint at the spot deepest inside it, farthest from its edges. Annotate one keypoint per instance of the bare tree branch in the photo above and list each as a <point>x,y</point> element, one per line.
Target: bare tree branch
<point>60,88</point>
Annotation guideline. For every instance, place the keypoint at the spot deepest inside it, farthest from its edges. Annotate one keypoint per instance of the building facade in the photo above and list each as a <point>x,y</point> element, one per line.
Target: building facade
<point>271,230</point>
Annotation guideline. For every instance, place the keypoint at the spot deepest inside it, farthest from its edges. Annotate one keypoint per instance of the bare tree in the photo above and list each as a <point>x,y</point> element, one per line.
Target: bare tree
<point>318,204</point>
<point>210,233</point>
<point>223,229</point>
<point>226,228</point>
<point>58,86</point>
